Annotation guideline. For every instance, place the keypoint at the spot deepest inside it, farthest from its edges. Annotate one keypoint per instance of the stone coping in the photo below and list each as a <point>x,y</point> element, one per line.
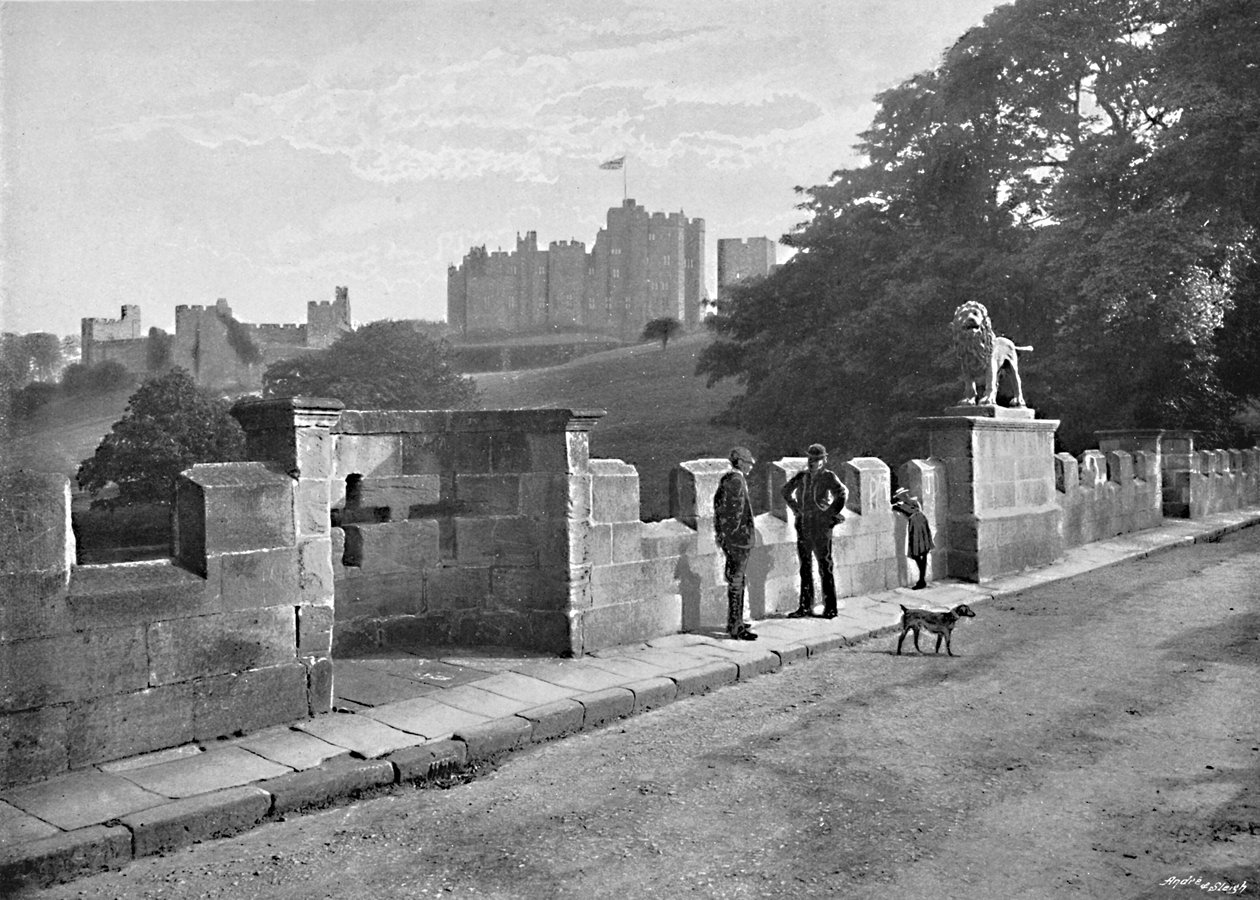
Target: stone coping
<point>105,816</point>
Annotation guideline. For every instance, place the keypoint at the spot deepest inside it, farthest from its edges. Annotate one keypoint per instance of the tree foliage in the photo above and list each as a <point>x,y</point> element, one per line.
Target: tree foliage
<point>382,365</point>
<point>662,330</point>
<point>1084,168</point>
<point>169,424</point>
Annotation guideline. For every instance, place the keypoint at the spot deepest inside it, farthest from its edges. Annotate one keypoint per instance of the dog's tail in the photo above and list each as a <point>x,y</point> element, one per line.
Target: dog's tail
<point>1027,349</point>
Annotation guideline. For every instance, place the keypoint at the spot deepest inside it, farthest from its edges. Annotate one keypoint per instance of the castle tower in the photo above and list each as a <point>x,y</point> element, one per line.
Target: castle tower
<point>92,330</point>
<point>325,322</point>
<point>740,258</point>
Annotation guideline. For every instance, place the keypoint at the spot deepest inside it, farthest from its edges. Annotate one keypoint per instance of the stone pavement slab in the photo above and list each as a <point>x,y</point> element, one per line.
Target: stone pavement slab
<point>425,718</point>
<point>516,686</point>
<point>577,676</point>
<point>183,751</point>
<point>626,666</point>
<point>81,799</point>
<point>361,734</point>
<point>290,747</point>
<point>17,826</point>
<point>213,770</point>
<point>473,699</point>
<point>371,686</point>
<point>426,670</point>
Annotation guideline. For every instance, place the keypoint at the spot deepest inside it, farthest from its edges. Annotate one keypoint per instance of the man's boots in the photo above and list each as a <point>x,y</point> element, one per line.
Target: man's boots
<point>802,612</point>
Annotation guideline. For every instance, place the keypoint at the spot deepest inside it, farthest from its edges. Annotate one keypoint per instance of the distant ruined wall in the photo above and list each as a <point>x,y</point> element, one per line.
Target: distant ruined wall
<point>94,331</point>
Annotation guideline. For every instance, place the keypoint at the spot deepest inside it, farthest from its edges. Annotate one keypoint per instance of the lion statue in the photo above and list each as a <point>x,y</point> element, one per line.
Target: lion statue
<point>985,358</point>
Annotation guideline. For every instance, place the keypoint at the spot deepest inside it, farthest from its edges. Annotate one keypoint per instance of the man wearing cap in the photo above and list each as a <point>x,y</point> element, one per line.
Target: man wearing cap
<point>817,496</point>
<point>733,524</point>
<point>919,532</point>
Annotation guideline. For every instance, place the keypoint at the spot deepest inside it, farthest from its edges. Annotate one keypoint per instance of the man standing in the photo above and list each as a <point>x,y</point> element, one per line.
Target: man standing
<point>817,496</point>
<point>733,523</point>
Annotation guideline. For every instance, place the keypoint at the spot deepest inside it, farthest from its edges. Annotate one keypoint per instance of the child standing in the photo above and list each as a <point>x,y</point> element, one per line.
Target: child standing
<point>920,533</point>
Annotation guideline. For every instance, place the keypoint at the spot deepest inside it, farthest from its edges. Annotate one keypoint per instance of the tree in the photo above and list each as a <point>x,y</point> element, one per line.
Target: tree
<point>382,365</point>
<point>1050,168</point>
<point>662,330</point>
<point>169,424</point>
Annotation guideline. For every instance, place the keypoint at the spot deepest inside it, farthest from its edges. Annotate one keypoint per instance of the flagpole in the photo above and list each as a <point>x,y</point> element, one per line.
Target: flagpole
<point>624,176</point>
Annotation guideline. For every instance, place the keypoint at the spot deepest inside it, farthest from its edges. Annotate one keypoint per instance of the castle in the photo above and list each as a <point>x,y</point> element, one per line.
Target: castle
<point>643,266</point>
<point>740,258</point>
<point>219,351</point>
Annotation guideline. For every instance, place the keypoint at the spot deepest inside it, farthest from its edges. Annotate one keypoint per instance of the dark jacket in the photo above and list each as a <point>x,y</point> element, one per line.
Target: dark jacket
<point>732,511</point>
<point>918,530</point>
<point>817,498</point>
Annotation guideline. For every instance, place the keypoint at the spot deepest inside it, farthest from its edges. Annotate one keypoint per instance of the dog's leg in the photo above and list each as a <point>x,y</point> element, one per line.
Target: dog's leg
<point>938,643</point>
<point>916,640</point>
<point>900,639</point>
<point>948,649</point>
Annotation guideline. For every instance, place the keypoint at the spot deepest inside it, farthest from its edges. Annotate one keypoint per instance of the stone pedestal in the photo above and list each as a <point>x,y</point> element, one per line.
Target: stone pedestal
<point>1002,516</point>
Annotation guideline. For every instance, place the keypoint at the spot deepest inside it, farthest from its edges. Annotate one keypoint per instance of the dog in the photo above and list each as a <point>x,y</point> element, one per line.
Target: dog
<point>939,623</point>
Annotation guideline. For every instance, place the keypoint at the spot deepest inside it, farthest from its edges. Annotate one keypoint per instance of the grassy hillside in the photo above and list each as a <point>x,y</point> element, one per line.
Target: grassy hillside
<point>64,432</point>
<point>658,410</point>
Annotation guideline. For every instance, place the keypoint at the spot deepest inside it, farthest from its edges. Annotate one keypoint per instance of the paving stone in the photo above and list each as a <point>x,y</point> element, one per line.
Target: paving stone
<point>705,677</point>
<point>84,798</point>
<point>199,818</point>
<point>427,719</point>
<point>289,747</point>
<point>484,703</point>
<point>551,720</point>
<point>652,692</point>
<point>606,705</point>
<point>486,739</point>
<point>671,660</point>
<point>790,653</point>
<point>524,687</point>
<point>17,826</point>
<point>676,640</point>
<point>822,643</point>
<point>336,778</point>
<point>213,770</point>
<point>63,856</point>
<point>424,670</point>
<point>359,733</point>
<point>369,686</point>
<point>429,760</point>
<point>627,667</point>
<point>151,759</point>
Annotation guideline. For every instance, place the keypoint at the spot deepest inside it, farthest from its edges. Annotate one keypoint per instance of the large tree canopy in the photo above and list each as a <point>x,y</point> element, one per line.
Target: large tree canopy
<point>169,424</point>
<point>382,365</point>
<point>1087,169</point>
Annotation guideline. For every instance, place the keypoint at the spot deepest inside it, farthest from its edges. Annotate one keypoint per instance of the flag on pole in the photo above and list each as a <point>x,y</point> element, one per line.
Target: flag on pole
<point>614,163</point>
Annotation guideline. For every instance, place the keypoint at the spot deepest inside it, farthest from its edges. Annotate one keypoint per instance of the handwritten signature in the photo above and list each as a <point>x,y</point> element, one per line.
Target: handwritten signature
<point>1216,887</point>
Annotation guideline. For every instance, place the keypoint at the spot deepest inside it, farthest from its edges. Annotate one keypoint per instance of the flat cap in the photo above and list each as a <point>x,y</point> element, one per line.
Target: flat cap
<point>742,454</point>
<point>815,451</point>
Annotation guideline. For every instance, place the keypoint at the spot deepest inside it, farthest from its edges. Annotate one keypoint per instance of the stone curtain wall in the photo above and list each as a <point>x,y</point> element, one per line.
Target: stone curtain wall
<point>102,662</point>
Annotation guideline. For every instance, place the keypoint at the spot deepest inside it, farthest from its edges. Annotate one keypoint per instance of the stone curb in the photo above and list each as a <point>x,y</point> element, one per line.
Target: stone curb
<point>194,819</point>
<point>338,777</point>
<point>61,857</point>
<point>72,854</point>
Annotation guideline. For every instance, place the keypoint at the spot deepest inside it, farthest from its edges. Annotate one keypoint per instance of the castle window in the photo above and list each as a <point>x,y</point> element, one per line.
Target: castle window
<point>616,273</point>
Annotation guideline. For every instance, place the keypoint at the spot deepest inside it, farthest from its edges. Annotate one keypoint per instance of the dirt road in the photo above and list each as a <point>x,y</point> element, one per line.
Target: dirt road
<point>1093,738</point>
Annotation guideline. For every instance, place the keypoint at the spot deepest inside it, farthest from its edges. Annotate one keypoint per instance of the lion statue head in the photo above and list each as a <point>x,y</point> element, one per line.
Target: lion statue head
<point>972,334</point>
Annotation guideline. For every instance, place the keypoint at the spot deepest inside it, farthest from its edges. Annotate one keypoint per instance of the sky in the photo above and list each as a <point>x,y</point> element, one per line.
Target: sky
<point>164,153</point>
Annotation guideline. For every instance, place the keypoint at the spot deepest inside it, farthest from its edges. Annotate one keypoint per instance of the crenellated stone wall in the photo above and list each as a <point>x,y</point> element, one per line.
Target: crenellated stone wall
<point>349,531</point>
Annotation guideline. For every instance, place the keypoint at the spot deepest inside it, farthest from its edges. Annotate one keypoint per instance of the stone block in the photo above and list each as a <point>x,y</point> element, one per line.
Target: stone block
<point>791,653</point>
<point>628,622</point>
<point>488,739</point>
<point>503,540</point>
<point>604,706</point>
<point>336,779</point>
<point>34,605</point>
<point>259,578</point>
<point>314,631</point>
<point>319,684</point>
<point>488,495</point>
<point>653,692</point>
<point>756,662</point>
<point>138,593</point>
<point>614,491</point>
<point>249,701</point>
<point>577,452</point>
<point>432,759</point>
<point>174,825</point>
<point>72,667</point>
<point>705,677</point>
<point>61,857</point>
<point>315,572</point>
<point>1067,479</point>
<point>367,455</point>
<point>215,645</point>
<point>231,507</point>
<point>868,480</point>
<point>822,643</point>
<point>692,485</point>
<point>599,544</point>
<point>554,719</point>
<point>33,744</point>
<point>126,724</point>
<point>35,534</point>
<point>399,546</point>
<point>450,588</point>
